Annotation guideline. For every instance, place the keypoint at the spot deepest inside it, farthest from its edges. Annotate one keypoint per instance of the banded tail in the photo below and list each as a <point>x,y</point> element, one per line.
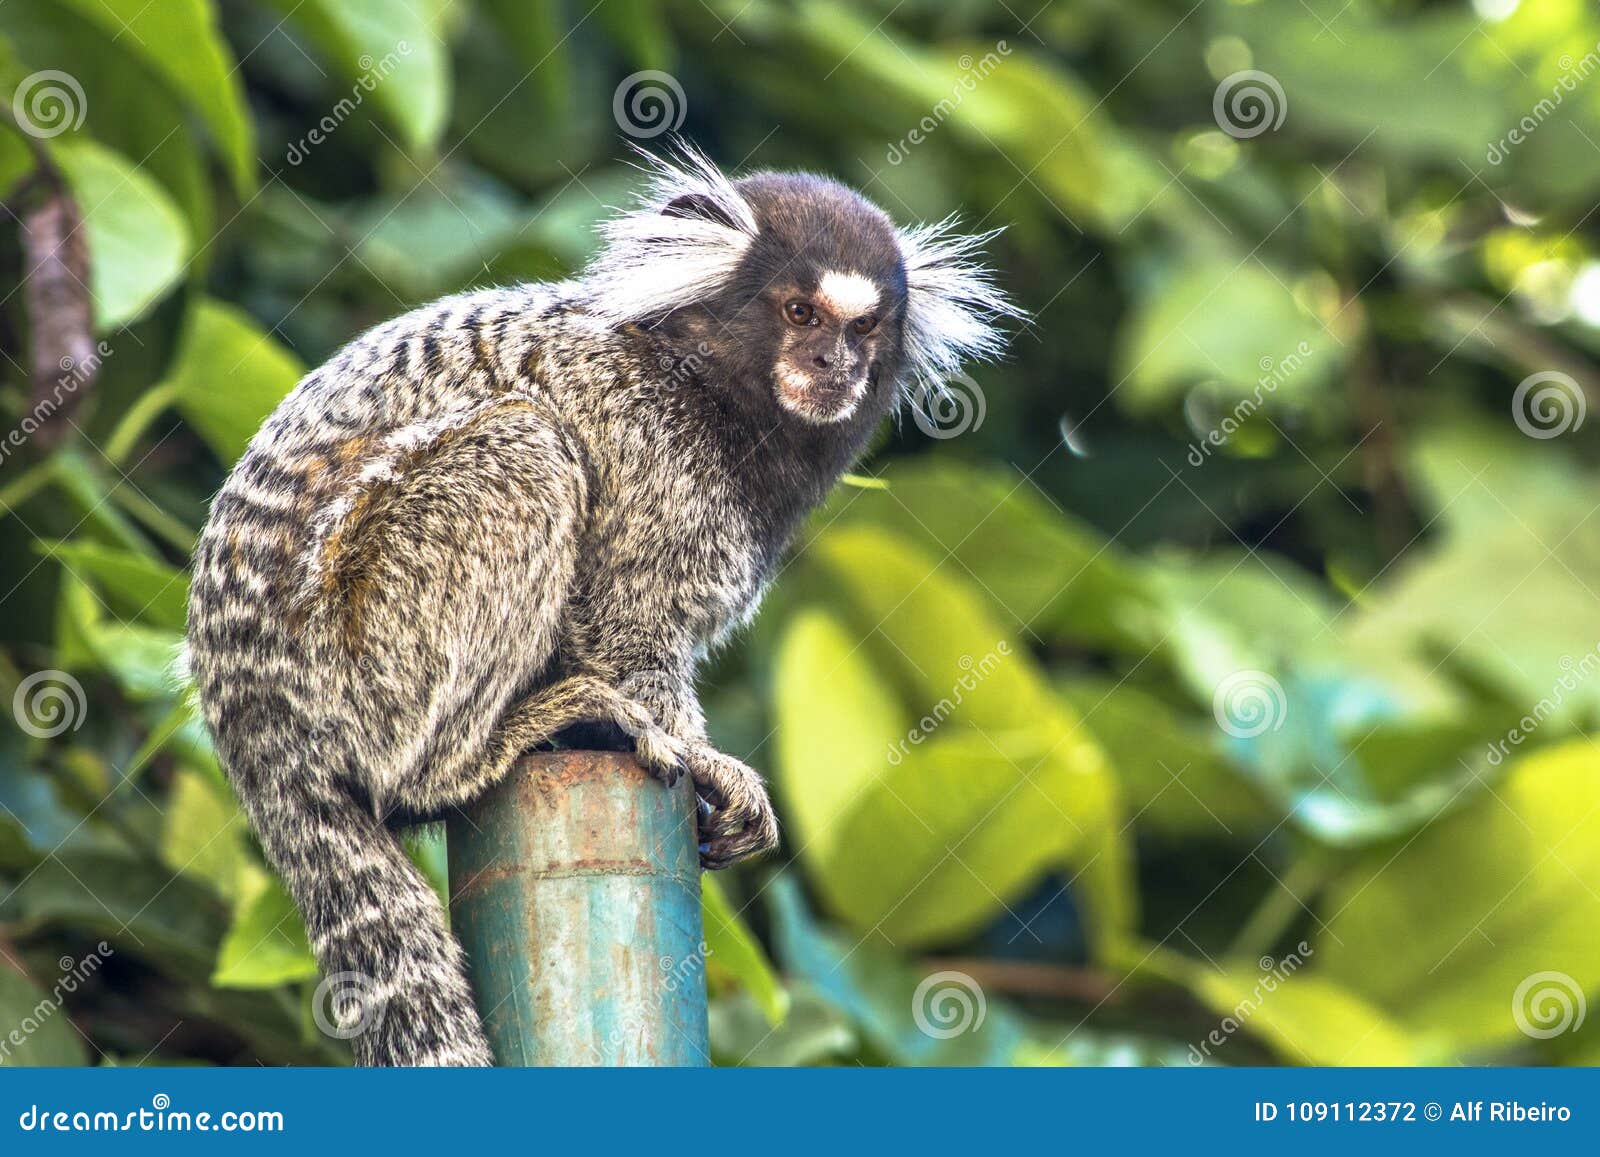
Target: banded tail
<point>394,978</point>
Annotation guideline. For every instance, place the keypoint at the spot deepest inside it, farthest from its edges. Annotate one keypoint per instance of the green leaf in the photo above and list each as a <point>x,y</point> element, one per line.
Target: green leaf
<point>138,240</point>
<point>1229,611</point>
<point>127,108</point>
<point>1036,567</point>
<point>991,95</point>
<point>266,944</point>
<point>230,376</point>
<point>1177,782</point>
<point>535,32</point>
<point>138,905</point>
<point>883,997</point>
<point>431,239</point>
<point>966,824</point>
<point>393,54</point>
<point>1183,331</point>
<point>181,41</point>
<point>1364,85</point>
<point>1304,1017</point>
<point>929,829</point>
<point>204,835</point>
<point>732,950</point>
<point>826,762</point>
<point>33,818</point>
<point>136,584</point>
<point>813,1033</point>
<point>180,723</point>
<point>140,658</point>
<point>1504,594</point>
<point>1442,931</point>
<point>16,161</point>
<point>40,1028</point>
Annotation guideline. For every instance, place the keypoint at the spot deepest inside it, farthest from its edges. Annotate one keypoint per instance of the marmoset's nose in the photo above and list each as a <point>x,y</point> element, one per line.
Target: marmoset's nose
<point>822,361</point>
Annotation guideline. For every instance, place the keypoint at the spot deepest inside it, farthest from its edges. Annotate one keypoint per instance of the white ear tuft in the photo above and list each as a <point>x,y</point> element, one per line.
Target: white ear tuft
<point>677,246</point>
<point>952,304</point>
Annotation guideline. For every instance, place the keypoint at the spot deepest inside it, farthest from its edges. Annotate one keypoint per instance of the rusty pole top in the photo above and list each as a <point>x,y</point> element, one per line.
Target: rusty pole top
<point>575,889</point>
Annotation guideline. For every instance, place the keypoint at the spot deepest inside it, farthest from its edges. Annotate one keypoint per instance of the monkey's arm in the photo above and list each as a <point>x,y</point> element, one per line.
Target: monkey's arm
<point>650,664</point>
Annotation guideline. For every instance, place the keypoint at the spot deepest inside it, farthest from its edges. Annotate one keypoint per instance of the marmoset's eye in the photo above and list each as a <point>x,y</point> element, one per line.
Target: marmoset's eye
<point>864,324</point>
<point>799,312</point>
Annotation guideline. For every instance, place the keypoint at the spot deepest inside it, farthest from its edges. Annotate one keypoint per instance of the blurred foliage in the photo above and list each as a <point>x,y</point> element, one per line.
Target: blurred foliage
<point>995,687</point>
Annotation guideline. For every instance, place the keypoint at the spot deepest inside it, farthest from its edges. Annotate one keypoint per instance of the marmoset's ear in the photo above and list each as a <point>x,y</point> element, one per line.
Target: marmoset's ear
<point>678,246</point>
<point>952,304</point>
<point>700,206</point>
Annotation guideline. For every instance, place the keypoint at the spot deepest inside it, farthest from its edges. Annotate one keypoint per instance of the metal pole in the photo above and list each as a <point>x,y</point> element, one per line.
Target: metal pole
<point>576,892</point>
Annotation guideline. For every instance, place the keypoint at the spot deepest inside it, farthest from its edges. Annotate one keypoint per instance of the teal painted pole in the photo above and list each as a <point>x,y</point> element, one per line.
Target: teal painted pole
<point>575,889</point>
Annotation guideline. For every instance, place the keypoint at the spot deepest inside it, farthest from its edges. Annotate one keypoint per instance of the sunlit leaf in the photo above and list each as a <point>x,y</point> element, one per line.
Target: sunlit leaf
<point>1443,931</point>
<point>138,240</point>
<point>266,944</point>
<point>141,587</point>
<point>1301,1015</point>
<point>204,835</point>
<point>230,376</point>
<point>181,41</point>
<point>391,54</point>
<point>989,781</point>
<point>733,951</point>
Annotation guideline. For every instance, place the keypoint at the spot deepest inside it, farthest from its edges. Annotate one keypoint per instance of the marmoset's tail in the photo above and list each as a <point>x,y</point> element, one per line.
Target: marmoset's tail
<point>394,979</point>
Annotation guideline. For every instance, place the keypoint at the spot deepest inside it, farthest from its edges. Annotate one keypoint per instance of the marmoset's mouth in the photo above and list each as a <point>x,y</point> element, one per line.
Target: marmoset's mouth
<point>819,398</point>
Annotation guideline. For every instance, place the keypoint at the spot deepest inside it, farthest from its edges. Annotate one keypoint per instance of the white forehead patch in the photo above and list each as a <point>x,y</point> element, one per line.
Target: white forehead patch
<point>847,294</point>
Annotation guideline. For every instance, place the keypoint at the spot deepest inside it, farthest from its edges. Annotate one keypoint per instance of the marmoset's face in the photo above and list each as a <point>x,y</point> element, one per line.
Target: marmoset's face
<point>821,295</point>
<point>829,349</point>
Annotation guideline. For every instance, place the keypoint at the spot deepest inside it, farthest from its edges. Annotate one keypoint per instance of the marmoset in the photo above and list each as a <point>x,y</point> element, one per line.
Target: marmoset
<point>519,510</point>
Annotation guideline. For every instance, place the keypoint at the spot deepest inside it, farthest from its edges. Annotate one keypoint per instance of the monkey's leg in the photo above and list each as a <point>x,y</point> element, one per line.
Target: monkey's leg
<point>742,823</point>
<point>538,719</point>
<point>450,585</point>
